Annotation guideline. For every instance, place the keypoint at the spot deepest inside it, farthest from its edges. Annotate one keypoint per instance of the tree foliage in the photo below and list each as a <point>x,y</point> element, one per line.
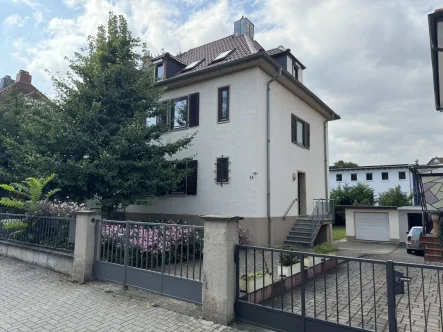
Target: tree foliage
<point>94,134</point>
<point>394,197</point>
<point>344,164</point>
<point>360,194</point>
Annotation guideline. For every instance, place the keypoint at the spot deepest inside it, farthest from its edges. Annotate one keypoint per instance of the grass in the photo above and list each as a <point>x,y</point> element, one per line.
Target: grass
<point>339,232</point>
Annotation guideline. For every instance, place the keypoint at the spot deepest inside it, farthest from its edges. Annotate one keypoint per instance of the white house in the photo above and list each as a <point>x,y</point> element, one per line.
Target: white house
<point>261,135</point>
<point>379,177</point>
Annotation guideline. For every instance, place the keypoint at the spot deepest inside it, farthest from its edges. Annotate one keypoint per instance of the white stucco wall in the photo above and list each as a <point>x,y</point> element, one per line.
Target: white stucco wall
<point>287,158</point>
<point>394,233</point>
<point>377,183</point>
<point>237,139</point>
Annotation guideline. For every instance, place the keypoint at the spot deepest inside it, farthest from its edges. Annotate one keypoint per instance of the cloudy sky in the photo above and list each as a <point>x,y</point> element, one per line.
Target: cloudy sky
<point>369,60</point>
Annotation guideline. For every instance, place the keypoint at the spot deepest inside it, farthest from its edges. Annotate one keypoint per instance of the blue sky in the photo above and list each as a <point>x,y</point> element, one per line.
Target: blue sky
<point>369,60</point>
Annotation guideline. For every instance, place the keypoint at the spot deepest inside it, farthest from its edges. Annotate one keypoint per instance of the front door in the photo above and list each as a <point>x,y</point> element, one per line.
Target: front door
<point>301,193</point>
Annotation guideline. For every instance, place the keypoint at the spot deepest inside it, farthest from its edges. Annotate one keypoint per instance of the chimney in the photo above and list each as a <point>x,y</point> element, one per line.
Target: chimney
<point>24,77</point>
<point>244,27</point>
<point>6,81</point>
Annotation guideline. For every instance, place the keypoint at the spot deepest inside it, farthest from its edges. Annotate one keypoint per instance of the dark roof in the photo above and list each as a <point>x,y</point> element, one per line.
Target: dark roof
<point>335,168</point>
<point>25,88</point>
<point>364,207</point>
<point>282,50</point>
<point>433,162</point>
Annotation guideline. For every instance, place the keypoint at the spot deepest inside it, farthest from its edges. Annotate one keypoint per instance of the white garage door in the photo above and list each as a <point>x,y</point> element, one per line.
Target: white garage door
<point>372,226</point>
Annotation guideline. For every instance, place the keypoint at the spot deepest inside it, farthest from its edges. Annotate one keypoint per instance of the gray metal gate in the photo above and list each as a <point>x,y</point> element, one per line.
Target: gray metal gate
<point>335,294</point>
<point>160,257</point>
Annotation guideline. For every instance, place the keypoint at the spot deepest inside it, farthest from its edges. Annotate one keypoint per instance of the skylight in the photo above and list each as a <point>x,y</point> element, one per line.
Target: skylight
<point>192,65</point>
<point>223,55</point>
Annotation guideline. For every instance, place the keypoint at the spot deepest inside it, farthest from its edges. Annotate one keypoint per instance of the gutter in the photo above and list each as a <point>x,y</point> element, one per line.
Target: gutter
<point>326,158</point>
<point>268,155</point>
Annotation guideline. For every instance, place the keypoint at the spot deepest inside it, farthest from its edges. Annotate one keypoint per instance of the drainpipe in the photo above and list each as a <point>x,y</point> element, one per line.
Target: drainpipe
<point>268,157</point>
<point>326,157</point>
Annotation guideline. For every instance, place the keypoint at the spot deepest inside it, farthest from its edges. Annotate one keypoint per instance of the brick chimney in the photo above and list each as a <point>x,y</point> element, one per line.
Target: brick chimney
<point>24,77</point>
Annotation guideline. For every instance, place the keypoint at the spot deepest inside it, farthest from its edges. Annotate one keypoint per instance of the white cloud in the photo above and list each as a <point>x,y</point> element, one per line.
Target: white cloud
<point>32,4</point>
<point>73,3</point>
<point>38,17</point>
<point>15,20</point>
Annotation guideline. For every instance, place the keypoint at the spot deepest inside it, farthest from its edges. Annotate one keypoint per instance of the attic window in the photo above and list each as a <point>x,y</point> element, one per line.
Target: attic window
<point>192,65</point>
<point>223,55</point>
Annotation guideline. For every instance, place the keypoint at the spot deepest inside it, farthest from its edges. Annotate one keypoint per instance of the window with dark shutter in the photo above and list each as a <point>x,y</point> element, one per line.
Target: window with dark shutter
<point>179,113</point>
<point>293,128</point>
<point>300,132</point>
<point>191,182</point>
<point>307,132</point>
<point>194,101</point>
<point>222,170</point>
<point>223,104</point>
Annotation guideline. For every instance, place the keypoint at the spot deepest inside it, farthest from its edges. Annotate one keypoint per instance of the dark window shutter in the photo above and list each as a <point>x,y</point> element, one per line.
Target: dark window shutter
<point>181,187</point>
<point>293,128</point>
<point>307,138</point>
<point>171,117</point>
<point>191,188</point>
<point>194,105</point>
<point>162,119</point>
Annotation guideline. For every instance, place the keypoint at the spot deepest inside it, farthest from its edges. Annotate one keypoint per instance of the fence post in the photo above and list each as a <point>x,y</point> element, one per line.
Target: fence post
<point>126,255</point>
<point>84,248</point>
<point>390,283</point>
<point>219,279</point>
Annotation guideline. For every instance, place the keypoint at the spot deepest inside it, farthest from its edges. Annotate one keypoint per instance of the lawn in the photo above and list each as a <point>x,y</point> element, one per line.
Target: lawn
<point>339,232</point>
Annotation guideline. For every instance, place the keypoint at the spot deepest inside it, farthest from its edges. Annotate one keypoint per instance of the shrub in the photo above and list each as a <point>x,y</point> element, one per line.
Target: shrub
<point>287,259</point>
<point>244,236</point>
<point>325,248</point>
<point>59,209</point>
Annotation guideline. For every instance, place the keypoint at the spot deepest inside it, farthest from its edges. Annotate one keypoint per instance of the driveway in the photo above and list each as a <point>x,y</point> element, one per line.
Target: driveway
<point>34,299</point>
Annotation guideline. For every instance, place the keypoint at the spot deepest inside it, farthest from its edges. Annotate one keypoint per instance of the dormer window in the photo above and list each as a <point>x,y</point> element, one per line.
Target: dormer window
<point>192,65</point>
<point>295,72</point>
<point>223,55</point>
<point>159,71</point>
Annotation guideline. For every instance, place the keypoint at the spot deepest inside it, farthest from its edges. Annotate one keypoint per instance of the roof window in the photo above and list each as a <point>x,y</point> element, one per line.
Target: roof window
<point>223,55</point>
<point>192,65</point>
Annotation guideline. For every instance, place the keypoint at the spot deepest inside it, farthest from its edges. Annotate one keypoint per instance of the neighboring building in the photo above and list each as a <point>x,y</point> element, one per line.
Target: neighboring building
<point>435,161</point>
<point>23,84</point>
<point>381,178</point>
<point>219,91</point>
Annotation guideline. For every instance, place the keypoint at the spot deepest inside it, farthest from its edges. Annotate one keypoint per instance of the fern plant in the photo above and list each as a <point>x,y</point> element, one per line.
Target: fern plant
<point>27,195</point>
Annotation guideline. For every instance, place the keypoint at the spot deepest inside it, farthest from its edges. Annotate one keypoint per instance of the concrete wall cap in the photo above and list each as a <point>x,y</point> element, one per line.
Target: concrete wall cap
<point>220,218</point>
<point>86,212</point>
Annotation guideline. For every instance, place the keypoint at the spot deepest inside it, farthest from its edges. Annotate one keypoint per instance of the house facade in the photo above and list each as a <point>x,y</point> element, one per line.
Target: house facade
<point>381,178</point>
<point>261,136</point>
<point>23,84</point>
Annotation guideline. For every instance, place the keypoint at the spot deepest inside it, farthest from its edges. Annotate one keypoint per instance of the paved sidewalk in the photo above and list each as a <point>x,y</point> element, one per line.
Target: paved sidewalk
<point>34,299</point>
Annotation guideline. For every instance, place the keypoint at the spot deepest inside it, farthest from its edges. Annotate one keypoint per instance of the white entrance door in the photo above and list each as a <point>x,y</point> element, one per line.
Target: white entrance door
<point>373,226</point>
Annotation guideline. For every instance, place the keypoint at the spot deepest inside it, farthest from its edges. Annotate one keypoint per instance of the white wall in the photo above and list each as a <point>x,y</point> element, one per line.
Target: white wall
<point>241,139</point>
<point>377,183</point>
<point>288,158</point>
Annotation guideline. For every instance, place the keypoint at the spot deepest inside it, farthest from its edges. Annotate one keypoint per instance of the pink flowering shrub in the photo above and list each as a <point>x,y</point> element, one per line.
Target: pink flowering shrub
<point>244,236</point>
<point>147,243</point>
<point>59,209</point>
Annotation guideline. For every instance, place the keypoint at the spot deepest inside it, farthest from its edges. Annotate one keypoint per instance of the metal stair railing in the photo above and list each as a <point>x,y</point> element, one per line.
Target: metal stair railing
<point>323,210</point>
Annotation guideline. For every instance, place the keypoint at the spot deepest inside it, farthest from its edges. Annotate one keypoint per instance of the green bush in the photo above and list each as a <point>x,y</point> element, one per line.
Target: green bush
<point>325,248</point>
<point>287,259</point>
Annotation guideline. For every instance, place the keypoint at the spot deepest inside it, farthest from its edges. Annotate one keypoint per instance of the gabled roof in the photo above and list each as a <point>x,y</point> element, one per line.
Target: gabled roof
<point>27,89</point>
<point>371,167</point>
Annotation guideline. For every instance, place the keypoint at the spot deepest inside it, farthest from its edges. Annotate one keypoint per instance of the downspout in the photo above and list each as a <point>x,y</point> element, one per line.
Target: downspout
<point>326,156</point>
<point>268,155</point>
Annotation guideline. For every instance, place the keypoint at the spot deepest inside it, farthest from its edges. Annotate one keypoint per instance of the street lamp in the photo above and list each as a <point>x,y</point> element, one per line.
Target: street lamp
<point>436,38</point>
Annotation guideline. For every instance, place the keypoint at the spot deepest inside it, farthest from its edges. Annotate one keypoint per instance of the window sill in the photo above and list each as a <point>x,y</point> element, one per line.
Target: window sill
<point>224,121</point>
<point>301,146</point>
<point>385,180</point>
<point>179,129</point>
<point>221,183</point>
<point>369,180</point>
<point>176,195</point>
<point>401,179</point>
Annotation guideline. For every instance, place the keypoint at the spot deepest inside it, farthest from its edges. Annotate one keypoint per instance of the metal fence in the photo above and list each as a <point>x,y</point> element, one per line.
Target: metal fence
<point>336,293</point>
<point>166,258</point>
<point>46,232</point>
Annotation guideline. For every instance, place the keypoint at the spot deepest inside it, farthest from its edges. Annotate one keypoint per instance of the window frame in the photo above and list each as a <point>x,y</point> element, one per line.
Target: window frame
<point>217,179</point>
<point>160,64</point>
<point>356,176</point>
<point>295,72</point>
<point>171,119</point>
<point>372,176</point>
<point>186,179</point>
<point>387,176</point>
<point>402,172</point>
<point>306,135</point>
<point>337,176</point>
<point>219,103</point>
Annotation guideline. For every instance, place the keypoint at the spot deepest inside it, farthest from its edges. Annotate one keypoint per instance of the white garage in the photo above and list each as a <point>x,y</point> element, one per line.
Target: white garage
<point>372,226</point>
<point>371,223</point>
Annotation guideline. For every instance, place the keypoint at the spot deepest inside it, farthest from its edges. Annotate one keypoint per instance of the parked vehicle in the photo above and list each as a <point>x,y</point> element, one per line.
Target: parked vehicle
<point>413,240</point>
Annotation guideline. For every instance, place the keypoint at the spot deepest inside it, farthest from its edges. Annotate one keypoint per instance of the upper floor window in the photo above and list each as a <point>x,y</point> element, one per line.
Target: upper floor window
<point>223,104</point>
<point>295,72</point>
<point>402,175</point>
<point>300,132</point>
<point>338,177</point>
<point>184,112</point>
<point>159,71</point>
<point>187,186</point>
<point>354,177</point>
<point>384,176</point>
<point>368,176</point>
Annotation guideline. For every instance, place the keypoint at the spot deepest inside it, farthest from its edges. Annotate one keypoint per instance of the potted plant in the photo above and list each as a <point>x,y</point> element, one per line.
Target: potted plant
<point>289,263</point>
<point>253,281</point>
<point>326,249</point>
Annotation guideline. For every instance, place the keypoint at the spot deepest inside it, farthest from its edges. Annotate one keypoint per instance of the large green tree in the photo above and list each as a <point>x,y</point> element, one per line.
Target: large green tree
<point>394,197</point>
<point>360,194</point>
<point>94,134</point>
<point>344,164</point>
